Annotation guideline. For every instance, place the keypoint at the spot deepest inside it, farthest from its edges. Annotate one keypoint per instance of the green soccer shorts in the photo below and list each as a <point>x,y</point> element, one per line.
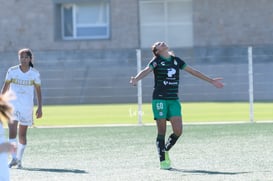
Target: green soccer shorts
<point>165,109</point>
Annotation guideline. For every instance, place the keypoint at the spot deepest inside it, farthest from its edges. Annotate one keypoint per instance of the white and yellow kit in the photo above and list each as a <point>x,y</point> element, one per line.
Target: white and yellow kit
<point>22,85</point>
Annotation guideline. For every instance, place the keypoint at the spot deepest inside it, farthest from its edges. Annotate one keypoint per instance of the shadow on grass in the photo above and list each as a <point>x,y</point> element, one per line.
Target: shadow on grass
<point>207,172</point>
<point>56,170</point>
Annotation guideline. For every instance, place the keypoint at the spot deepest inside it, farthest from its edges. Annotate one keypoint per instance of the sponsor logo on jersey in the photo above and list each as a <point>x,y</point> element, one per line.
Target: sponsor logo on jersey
<point>22,82</point>
<point>171,72</point>
<point>170,83</point>
<point>173,83</point>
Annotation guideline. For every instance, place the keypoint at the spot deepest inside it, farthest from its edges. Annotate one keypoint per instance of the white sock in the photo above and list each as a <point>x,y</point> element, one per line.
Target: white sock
<point>14,142</point>
<point>20,151</point>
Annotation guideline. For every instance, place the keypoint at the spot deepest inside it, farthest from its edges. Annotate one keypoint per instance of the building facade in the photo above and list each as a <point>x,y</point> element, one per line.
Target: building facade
<point>86,49</point>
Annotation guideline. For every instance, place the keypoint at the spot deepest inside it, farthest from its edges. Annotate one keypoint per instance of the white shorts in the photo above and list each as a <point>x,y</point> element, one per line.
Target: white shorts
<point>23,116</point>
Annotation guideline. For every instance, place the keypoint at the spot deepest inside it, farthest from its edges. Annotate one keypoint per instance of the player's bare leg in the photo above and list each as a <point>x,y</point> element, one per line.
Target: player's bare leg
<point>160,143</point>
<point>177,126</point>
<point>176,123</point>
<point>13,140</point>
<point>21,144</point>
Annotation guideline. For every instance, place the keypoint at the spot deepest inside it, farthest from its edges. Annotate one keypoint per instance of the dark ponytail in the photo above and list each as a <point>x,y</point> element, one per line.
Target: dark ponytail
<point>31,64</point>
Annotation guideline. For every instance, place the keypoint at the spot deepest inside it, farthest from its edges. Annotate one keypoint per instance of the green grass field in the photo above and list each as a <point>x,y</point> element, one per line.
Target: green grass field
<point>205,152</point>
<point>127,113</point>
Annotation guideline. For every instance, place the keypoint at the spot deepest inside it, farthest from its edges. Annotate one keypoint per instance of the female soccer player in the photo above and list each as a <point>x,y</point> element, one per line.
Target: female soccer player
<point>165,103</point>
<point>5,115</point>
<point>22,79</point>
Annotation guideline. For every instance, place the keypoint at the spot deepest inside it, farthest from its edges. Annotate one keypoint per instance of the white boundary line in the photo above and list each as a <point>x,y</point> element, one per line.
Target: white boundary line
<point>152,124</point>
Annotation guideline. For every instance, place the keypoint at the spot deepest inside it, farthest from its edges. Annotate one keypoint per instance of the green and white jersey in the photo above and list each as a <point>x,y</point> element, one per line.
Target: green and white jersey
<point>166,77</point>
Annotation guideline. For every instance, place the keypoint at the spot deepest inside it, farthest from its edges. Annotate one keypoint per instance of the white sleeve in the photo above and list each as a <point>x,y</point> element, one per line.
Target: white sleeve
<point>8,76</point>
<point>37,79</point>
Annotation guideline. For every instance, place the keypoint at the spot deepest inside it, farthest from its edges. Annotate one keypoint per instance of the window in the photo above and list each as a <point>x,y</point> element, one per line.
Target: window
<point>166,20</point>
<point>85,20</point>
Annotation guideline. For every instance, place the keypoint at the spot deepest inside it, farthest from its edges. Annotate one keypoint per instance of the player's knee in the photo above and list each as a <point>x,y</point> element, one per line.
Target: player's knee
<point>161,130</point>
<point>178,132</point>
<point>12,135</point>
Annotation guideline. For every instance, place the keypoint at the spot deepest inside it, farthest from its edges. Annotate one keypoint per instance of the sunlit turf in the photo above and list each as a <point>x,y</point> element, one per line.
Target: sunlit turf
<point>128,113</point>
<point>204,152</point>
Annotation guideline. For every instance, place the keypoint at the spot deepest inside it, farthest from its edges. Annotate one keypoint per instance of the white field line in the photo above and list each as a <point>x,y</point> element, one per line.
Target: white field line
<point>152,124</point>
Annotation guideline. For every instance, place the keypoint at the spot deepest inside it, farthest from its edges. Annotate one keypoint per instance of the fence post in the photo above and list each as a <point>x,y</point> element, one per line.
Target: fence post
<point>250,77</point>
<point>139,88</point>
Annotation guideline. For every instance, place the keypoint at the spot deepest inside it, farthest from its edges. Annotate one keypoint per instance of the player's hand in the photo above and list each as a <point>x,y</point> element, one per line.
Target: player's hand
<point>133,81</point>
<point>217,82</point>
<point>39,113</point>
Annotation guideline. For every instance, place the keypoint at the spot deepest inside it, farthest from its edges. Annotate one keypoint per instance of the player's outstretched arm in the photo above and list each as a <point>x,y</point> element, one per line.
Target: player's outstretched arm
<point>214,81</point>
<point>140,75</point>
